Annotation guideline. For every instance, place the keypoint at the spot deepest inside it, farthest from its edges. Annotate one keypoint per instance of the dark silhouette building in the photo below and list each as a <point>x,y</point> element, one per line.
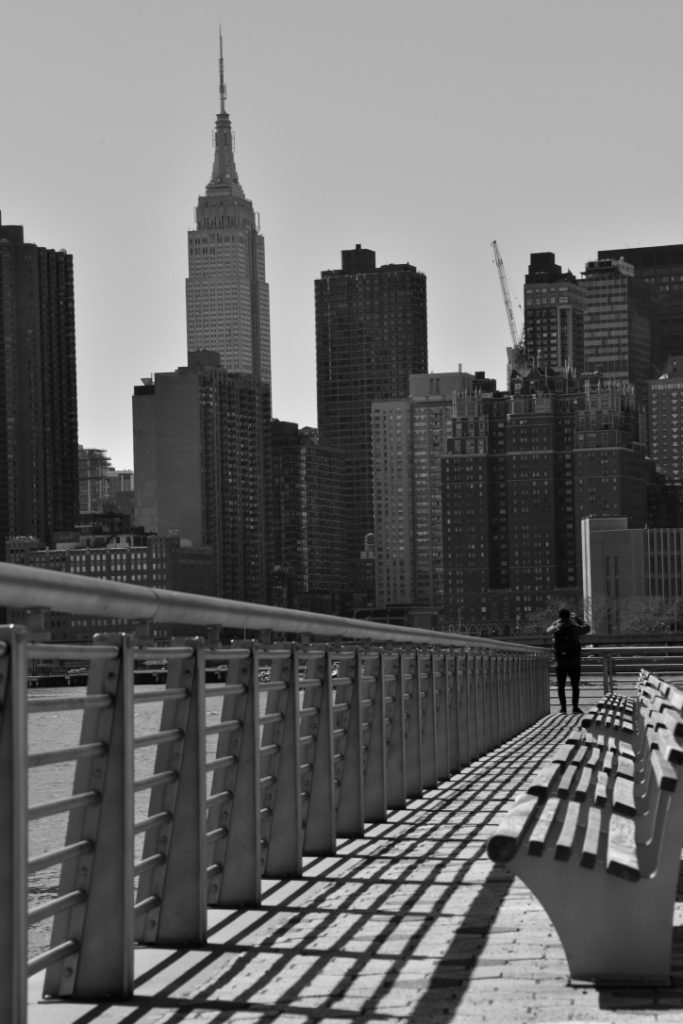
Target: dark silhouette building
<point>660,269</point>
<point>553,315</point>
<point>371,334</point>
<point>38,401</point>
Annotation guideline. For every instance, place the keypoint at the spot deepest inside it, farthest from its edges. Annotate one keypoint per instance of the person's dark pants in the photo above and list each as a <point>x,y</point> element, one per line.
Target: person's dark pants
<point>573,670</point>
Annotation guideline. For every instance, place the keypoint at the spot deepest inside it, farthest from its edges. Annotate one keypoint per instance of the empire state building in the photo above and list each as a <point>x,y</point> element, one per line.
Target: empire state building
<point>227,296</point>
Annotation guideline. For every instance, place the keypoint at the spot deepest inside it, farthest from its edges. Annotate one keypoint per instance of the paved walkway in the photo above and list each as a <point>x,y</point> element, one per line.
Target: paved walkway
<point>410,923</point>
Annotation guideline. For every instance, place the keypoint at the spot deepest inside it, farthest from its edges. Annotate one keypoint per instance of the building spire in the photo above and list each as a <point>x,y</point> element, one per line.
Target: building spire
<point>220,70</point>
<point>224,174</point>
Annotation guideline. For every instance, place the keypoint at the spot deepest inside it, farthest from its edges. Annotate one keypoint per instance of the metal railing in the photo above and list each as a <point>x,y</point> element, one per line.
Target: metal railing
<point>263,753</point>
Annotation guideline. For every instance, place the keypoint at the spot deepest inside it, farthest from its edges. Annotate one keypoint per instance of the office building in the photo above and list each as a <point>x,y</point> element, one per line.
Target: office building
<point>226,290</point>
<point>553,315</point>
<point>100,485</point>
<point>201,469</point>
<point>660,269</point>
<point>38,400</point>
<point>618,325</point>
<point>371,334</point>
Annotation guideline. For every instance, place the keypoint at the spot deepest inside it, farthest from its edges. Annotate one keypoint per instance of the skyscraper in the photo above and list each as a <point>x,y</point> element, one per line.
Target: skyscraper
<point>202,432</point>
<point>226,290</point>
<point>371,334</point>
<point>38,401</point>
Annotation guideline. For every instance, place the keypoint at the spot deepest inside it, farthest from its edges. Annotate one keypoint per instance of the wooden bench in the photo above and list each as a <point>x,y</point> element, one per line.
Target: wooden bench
<point>597,834</point>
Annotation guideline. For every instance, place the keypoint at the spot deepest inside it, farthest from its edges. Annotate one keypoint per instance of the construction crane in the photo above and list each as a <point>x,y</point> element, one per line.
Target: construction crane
<point>514,334</point>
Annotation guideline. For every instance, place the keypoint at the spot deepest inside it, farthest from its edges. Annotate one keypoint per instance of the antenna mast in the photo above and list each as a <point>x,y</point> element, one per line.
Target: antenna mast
<point>220,71</point>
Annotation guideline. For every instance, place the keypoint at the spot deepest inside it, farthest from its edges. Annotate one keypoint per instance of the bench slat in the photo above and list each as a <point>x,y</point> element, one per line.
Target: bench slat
<point>565,784</point>
<point>503,845</point>
<point>601,789</point>
<point>537,840</point>
<point>591,841</point>
<point>543,779</point>
<point>623,797</point>
<point>665,774</point>
<point>622,855</point>
<point>565,840</point>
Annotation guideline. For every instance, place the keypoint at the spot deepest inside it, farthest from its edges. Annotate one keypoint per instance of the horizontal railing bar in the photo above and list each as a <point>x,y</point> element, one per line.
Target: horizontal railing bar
<point>163,653</point>
<point>144,906</point>
<point>221,762</point>
<point>43,705</point>
<point>159,779</point>
<point>218,798</point>
<point>164,696</point>
<point>66,754</point>
<point>23,586</point>
<point>52,956</point>
<point>270,748</point>
<point>274,686</point>
<point>230,725</point>
<point>163,736</point>
<point>213,870</point>
<point>153,821</point>
<point>273,718</point>
<point>60,856</point>
<point>56,906</point>
<point>215,834</point>
<point>43,651</point>
<point>87,799</point>
<point>225,689</point>
<point>156,860</point>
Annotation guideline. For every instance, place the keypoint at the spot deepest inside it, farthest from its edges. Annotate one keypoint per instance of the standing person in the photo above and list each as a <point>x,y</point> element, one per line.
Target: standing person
<point>566,631</point>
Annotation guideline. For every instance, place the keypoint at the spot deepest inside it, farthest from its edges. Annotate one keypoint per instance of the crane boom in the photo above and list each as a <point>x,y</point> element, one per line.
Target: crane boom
<point>498,259</point>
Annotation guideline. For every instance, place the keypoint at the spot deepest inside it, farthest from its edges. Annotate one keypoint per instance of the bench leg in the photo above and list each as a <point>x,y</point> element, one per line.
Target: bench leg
<point>613,931</point>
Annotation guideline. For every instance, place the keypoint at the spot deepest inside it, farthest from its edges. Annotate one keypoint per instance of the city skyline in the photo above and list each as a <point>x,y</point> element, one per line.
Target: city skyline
<point>422,135</point>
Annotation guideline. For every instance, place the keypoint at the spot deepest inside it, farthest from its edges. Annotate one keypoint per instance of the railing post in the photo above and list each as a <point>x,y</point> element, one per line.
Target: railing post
<point>13,824</point>
<point>351,805</point>
<point>283,856</point>
<point>234,819</point>
<point>396,749</point>
<point>375,766</point>
<point>320,833</point>
<point>178,884</point>
<point>413,723</point>
<point>430,774</point>
<point>103,926</point>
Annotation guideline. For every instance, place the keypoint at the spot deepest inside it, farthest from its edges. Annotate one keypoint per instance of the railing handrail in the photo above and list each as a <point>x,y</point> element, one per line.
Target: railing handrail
<point>26,587</point>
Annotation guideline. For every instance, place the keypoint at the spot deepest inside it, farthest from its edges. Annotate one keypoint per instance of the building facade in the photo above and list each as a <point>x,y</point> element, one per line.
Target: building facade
<point>660,269</point>
<point>408,443</point>
<point>522,470</point>
<point>371,334</point>
<point>201,468</point>
<point>553,315</point>
<point>38,399</point>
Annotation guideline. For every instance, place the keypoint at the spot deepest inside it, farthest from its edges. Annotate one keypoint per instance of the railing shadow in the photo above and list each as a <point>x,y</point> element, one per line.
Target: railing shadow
<point>393,926</point>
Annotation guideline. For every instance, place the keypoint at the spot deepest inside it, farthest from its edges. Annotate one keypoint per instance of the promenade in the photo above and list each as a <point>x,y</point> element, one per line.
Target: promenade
<point>411,923</point>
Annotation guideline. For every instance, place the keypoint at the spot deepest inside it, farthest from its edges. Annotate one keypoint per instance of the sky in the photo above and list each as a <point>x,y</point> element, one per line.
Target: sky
<point>423,131</point>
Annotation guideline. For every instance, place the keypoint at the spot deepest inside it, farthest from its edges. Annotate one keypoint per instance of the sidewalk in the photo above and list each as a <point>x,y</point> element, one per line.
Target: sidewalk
<point>410,923</point>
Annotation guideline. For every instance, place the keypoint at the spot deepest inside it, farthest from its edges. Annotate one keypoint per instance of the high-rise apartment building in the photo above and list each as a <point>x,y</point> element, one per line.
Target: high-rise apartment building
<point>311,567</point>
<point>38,400</point>
<point>553,315</point>
<point>100,484</point>
<point>408,443</point>
<point>227,298</point>
<point>665,421</point>
<point>371,334</point>
<point>521,472</point>
<point>201,470</point>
